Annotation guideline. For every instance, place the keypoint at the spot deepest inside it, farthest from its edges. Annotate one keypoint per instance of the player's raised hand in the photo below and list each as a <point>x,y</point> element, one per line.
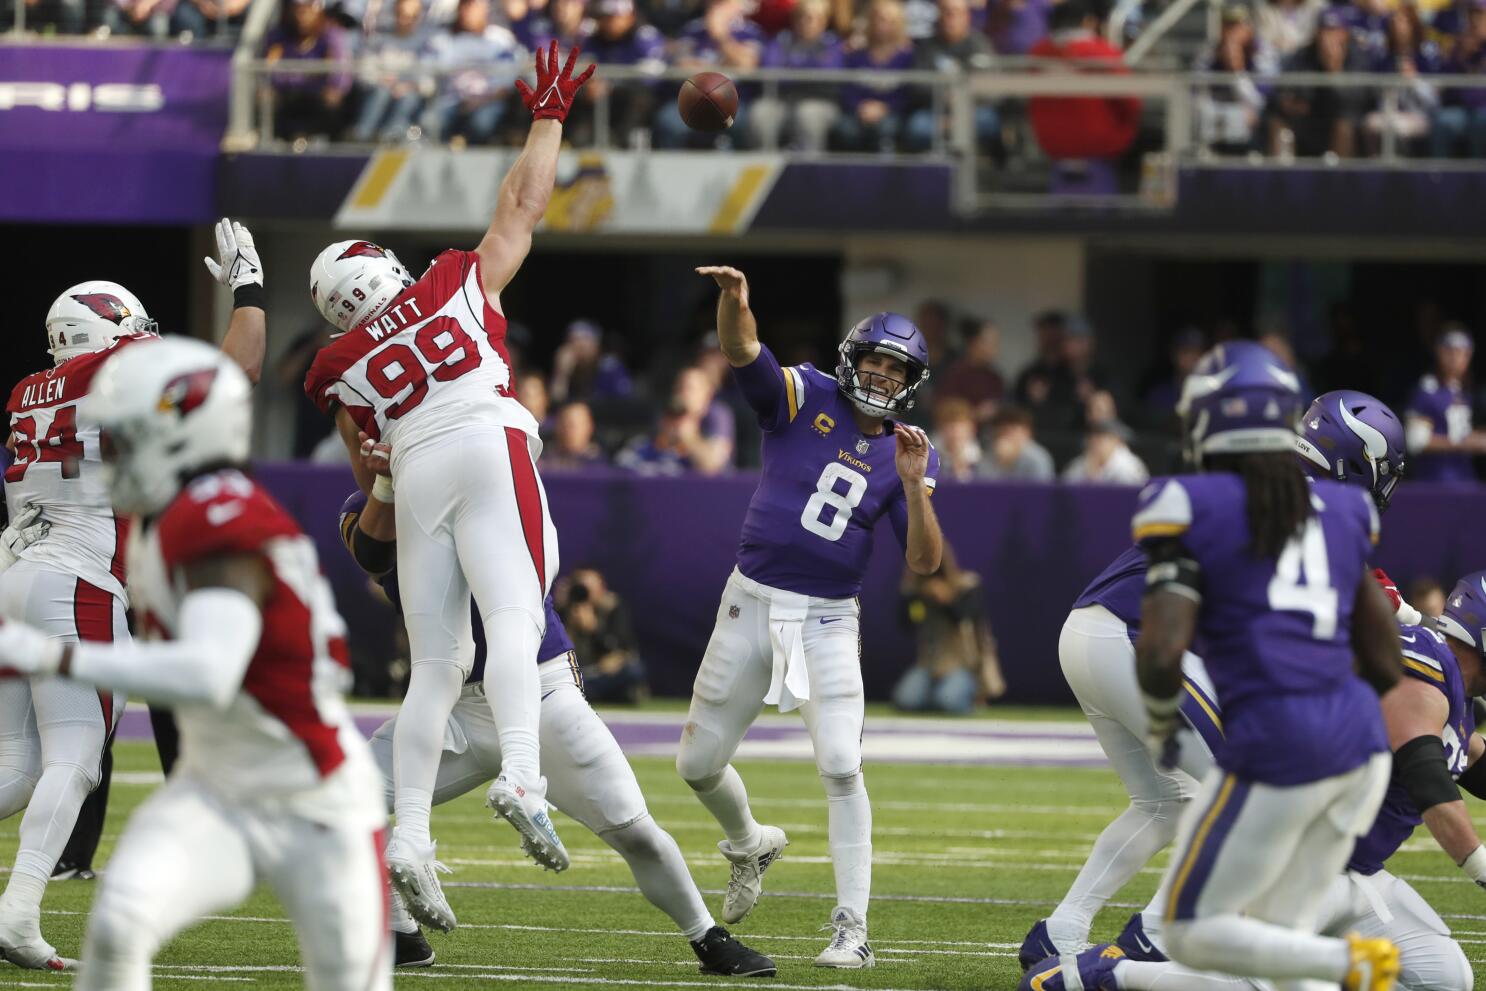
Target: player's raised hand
<point>913,452</point>
<point>239,265</point>
<point>553,96</point>
<point>729,280</point>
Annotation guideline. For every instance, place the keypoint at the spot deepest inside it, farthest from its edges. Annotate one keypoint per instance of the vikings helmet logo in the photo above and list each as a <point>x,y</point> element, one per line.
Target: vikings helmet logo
<point>106,306</point>
<point>186,392</point>
<point>360,249</point>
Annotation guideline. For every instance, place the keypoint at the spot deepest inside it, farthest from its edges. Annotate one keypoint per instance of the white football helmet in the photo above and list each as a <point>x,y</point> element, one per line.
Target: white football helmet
<point>92,315</point>
<point>353,281</point>
<point>167,410</point>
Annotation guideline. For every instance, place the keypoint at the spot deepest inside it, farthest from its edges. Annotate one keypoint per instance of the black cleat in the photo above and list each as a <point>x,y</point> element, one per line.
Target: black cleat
<point>65,871</point>
<point>412,949</point>
<point>721,954</point>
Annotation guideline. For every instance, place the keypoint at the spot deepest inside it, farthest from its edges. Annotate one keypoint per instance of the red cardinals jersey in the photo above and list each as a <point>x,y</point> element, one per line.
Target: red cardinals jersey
<point>57,466</point>
<point>287,737</point>
<point>433,362</point>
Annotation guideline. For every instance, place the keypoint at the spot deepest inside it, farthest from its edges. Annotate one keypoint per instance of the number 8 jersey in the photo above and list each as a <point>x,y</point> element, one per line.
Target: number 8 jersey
<point>430,362</point>
<point>824,485</point>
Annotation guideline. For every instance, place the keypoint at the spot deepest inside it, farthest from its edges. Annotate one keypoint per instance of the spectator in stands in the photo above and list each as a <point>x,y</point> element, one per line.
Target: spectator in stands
<point>1313,120</point>
<point>1187,349</point>
<point>1229,114</point>
<point>581,369</point>
<point>1463,120</point>
<point>872,112</point>
<point>203,18</point>
<point>290,369</point>
<point>62,16</point>
<point>620,39</point>
<point>572,446</point>
<point>932,318</point>
<point>955,437</point>
<point>307,104</point>
<point>802,114</point>
<point>975,376</point>
<point>722,39</point>
<point>603,639</point>
<point>1407,52</point>
<point>1438,421</point>
<point>955,664</point>
<point>148,18</point>
<point>392,88</point>
<point>1014,455</point>
<point>1287,26</point>
<point>1017,25</point>
<point>1034,384</point>
<point>695,433</point>
<point>483,61</point>
<point>954,47</point>
<point>562,22</point>
<point>531,392</point>
<point>1107,458</point>
<point>1426,595</point>
<point>1369,20</point>
<point>1074,381</point>
<point>1083,135</point>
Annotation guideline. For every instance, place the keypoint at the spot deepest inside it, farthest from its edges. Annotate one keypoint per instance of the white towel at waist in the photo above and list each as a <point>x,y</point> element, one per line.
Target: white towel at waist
<point>790,684</point>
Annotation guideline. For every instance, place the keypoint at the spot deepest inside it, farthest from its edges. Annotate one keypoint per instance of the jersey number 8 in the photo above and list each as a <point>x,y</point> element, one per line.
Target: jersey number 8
<point>841,503</point>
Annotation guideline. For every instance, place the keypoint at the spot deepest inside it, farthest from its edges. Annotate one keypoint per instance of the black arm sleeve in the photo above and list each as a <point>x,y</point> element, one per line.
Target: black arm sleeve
<point>1474,778</point>
<point>1424,772</point>
<point>1170,566</point>
<point>376,557</point>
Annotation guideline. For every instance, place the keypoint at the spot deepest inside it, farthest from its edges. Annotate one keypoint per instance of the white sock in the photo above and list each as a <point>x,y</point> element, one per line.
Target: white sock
<point>1235,944</point>
<point>412,809</point>
<point>1134,976</point>
<point>659,869</point>
<point>402,922</point>
<point>849,835</point>
<point>418,745</point>
<point>727,800</point>
<point>514,690</point>
<point>1126,845</point>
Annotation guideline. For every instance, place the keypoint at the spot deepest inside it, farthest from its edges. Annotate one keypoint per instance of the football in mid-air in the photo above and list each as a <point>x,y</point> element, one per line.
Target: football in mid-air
<point>708,102</point>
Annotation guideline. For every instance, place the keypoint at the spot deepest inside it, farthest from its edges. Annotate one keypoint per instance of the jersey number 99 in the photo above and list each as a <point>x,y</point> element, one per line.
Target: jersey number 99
<point>840,504</point>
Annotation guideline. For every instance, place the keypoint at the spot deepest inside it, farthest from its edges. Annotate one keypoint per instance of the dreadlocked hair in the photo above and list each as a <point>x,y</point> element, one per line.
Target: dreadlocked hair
<point>1279,497</point>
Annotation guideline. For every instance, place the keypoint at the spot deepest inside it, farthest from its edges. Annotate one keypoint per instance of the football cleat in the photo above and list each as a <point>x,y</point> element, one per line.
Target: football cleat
<point>747,878</point>
<point>411,949</point>
<point>1374,964</point>
<point>527,811</point>
<point>1091,970</point>
<point>721,954</point>
<point>71,872</point>
<point>415,875</point>
<point>1137,943</point>
<point>1038,946</point>
<point>848,949</point>
<point>22,945</point>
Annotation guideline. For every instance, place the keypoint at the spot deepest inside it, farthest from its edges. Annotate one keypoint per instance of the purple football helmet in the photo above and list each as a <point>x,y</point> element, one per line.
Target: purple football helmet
<point>1240,399</point>
<point>1465,611</point>
<point>350,510</point>
<point>1352,437</point>
<point>884,333</point>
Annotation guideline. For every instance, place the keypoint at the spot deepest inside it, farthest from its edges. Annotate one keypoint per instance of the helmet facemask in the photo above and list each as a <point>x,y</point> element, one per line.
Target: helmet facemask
<point>873,391</point>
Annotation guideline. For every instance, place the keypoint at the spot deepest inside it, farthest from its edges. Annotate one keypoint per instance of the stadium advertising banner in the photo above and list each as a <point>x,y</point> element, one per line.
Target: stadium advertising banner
<point>110,134</point>
<point>598,192</point>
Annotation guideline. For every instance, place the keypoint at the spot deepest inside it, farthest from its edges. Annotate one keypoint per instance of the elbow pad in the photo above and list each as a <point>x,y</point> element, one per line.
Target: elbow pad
<point>1421,767</point>
<point>376,557</point>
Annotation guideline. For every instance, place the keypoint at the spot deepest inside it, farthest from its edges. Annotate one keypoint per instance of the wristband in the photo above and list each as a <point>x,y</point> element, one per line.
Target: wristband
<point>1161,712</point>
<point>382,490</point>
<point>1475,865</point>
<point>248,294</point>
<point>1407,615</point>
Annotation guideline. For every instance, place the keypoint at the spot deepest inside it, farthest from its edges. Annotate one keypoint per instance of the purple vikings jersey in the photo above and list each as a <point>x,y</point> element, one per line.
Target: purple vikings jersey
<point>823,487</point>
<point>1119,589</point>
<point>1276,633</point>
<point>1448,409</point>
<point>1427,657</point>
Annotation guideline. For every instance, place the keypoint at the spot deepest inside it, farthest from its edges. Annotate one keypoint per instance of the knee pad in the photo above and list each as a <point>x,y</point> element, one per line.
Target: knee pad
<point>838,758</point>
<point>699,758</point>
<point>843,785</point>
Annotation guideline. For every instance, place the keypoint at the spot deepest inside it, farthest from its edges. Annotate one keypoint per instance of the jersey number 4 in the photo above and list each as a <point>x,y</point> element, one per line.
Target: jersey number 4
<point>444,351</point>
<point>1311,592</point>
<point>840,504</point>
<point>59,444</point>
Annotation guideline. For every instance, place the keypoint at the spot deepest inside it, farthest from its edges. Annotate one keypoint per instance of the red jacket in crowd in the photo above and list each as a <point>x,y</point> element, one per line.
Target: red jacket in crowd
<point>1083,126</point>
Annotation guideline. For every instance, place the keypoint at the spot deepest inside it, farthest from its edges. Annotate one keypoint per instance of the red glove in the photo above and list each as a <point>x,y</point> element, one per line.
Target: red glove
<point>1389,588</point>
<point>553,97</point>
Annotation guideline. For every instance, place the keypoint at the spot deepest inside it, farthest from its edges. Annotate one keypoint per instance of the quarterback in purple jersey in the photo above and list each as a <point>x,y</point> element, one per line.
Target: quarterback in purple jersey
<point>588,777</point>
<point>834,463</point>
<point>1345,435</point>
<point>1269,568</point>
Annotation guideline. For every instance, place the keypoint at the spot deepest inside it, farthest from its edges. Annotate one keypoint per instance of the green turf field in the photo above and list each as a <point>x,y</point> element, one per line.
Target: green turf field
<point>966,859</point>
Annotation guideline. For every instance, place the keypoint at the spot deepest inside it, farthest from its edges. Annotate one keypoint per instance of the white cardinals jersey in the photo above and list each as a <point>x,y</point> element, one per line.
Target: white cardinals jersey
<point>433,362</point>
<point>57,464</point>
<point>287,741</point>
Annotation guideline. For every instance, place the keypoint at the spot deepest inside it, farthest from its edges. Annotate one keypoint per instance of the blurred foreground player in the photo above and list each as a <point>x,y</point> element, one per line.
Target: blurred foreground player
<point>274,782</point>
<point>787,630</point>
<point>589,778</point>
<point>423,366</point>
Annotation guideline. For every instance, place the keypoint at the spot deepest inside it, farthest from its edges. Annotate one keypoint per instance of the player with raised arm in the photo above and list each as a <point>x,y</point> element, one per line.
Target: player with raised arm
<point>274,781</point>
<point>423,366</point>
<point>787,629</point>
<point>589,777</point>
<point>1346,436</point>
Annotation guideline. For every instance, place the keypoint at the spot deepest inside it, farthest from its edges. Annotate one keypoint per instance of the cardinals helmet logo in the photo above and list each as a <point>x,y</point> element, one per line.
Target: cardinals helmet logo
<point>185,393</point>
<point>106,306</point>
<point>362,248</point>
